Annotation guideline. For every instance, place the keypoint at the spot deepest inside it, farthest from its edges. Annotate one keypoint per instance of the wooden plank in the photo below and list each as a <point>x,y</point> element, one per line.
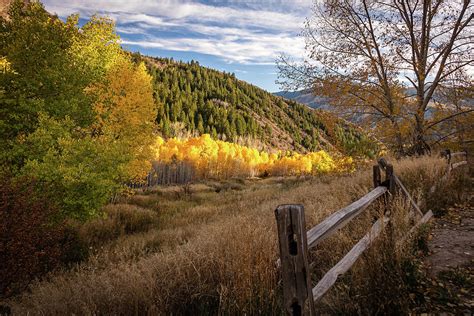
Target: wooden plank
<point>459,153</point>
<point>407,194</point>
<point>348,261</point>
<point>458,164</point>
<point>423,220</point>
<point>296,278</point>
<point>340,218</point>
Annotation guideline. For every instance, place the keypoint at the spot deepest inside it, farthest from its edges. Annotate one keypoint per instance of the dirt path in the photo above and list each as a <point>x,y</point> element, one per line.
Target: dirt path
<point>448,285</point>
<point>451,243</point>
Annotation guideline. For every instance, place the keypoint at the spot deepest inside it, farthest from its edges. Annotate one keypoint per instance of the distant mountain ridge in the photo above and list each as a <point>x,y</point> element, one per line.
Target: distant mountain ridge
<point>305,97</point>
<point>316,102</point>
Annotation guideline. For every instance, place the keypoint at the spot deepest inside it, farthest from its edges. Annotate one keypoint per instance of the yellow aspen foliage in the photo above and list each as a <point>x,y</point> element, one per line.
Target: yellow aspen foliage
<point>96,47</point>
<point>220,159</point>
<point>125,114</point>
<point>5,66</point>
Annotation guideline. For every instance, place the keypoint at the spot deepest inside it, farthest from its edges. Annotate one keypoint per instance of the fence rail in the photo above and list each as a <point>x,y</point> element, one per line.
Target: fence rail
<point>449,156</point>
<point>299,297</point>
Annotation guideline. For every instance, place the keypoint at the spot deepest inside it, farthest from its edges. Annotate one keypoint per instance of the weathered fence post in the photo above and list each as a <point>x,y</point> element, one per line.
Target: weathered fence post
<point>390,179</point>
<point>296,276</point>
<point>389,183</point>
<point>376,176</point>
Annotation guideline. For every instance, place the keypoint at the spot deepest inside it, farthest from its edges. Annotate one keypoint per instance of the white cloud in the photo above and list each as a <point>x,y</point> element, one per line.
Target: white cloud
<point>236,34</point>
<point>263,51</point>
<point>182,10</point>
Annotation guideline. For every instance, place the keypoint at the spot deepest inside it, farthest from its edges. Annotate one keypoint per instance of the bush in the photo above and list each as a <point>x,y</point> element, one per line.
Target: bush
<point>31,243</point>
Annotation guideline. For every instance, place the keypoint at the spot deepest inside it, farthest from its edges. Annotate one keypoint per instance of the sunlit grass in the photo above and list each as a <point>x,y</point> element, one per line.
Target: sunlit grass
<point>214,251</point>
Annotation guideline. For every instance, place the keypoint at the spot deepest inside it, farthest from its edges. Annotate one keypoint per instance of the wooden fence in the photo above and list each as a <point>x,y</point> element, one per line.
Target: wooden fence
<point>294,241</point>
<point>451,157</point>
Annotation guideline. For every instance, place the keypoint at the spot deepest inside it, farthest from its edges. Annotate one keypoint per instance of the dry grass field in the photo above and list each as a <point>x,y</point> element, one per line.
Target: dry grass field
<point>211,249</point>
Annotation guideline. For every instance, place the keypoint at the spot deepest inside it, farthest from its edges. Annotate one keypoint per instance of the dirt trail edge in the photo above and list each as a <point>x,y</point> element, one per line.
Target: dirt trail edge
<point>452,240</point>
<point>448,283</point>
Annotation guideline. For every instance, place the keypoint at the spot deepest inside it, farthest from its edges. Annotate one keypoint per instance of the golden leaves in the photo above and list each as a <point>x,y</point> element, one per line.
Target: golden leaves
<point>125,113</point>
<point>223,159</point>
<point>5,66</point>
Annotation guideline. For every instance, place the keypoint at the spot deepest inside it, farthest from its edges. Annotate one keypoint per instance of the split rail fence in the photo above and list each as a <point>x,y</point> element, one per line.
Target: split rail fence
<point>294,241</point>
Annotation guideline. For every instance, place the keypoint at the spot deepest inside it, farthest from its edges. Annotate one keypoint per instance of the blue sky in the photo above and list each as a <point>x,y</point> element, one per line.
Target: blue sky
<point>244,37</point>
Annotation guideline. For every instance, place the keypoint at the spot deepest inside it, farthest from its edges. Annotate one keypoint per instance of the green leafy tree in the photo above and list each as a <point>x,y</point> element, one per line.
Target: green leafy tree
<point>77,113</point>
<point>81,178</point>
<point>43,78</point>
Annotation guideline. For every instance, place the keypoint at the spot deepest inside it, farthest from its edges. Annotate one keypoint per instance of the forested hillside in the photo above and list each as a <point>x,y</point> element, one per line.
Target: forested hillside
<point>203,100</point>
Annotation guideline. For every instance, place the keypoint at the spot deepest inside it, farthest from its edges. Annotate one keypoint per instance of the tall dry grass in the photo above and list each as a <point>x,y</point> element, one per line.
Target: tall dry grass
<point>214,251</point>
<point>118,220</point>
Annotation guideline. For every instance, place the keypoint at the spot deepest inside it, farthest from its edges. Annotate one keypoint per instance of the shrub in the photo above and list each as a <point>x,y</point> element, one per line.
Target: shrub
<point>31,242</point>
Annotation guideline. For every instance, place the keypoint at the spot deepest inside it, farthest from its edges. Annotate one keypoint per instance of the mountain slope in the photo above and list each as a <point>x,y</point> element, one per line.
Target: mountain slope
<point>318,102</point>
<point>202,100</point>
<point>305,97</point>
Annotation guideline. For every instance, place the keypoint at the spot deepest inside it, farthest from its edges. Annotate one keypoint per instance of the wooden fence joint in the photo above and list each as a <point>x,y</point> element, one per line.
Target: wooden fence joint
<point>389,181</point>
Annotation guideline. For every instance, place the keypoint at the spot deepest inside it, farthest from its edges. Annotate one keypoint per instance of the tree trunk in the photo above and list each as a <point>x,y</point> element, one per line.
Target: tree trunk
<point>420,146</point>
<point>399,151</point>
